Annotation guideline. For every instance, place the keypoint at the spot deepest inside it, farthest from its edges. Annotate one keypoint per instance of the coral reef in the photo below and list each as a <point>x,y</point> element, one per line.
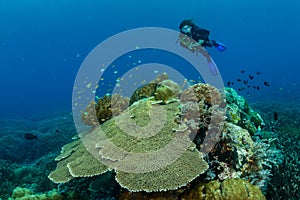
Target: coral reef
<point>144,91</point>
<point>238,155</point>
<point>178,174</point>
<point>26,163</point>
<point>284,183</point>
<point>231,189</point>
<point>26,194</point>
<point>240,113</point>
<point>203,111</point>
<point>163,93</point>
<point>53,132</point>
<point>148,90</point>
<point>197,92</point>
<point>6,177</point>
<point>166,90</point>
<point>222,141</point>
<point>31,176</point>
<point>168,195</point>
<point>76,161</point>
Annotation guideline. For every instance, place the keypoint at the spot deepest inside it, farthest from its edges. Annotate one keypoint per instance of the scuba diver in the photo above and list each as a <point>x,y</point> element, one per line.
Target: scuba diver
<point>200,35</point>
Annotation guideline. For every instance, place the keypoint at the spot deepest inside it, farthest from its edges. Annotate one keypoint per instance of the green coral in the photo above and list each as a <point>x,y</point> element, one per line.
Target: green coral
<point>75,161</point>
<point>164,93</point>
<point>135,131</point>
<point>189,165</point>
<point>178,174</point>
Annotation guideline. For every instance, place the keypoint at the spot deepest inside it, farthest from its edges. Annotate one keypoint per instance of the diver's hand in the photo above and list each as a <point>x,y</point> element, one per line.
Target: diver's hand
<point>201,42</point>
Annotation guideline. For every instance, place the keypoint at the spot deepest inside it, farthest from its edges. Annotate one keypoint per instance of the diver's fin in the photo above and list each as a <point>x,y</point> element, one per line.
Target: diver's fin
<point>221,47</point>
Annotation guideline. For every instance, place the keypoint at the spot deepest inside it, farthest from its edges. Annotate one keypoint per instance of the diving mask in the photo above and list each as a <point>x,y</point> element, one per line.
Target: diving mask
<point>186,29</point>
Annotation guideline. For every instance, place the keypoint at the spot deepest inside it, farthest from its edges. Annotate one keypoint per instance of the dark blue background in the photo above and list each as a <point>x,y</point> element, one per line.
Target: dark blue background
<point>42,44</point>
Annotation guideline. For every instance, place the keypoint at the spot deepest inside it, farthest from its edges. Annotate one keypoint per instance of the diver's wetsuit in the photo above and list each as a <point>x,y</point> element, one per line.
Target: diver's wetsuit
<point>201,34</point>
<point>196,33</point>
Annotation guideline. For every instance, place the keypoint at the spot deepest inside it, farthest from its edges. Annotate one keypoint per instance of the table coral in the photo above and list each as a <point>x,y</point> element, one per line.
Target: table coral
<point>164,145</point>
<point>75,161</point>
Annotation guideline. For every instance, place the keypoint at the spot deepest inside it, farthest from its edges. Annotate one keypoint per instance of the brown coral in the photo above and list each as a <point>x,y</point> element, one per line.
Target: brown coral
<point>229,189</point>
<point>147,90</point>
<point>202,109</point>
<point>89,116</point>
<point>109,105</point>
<point>197,92</point>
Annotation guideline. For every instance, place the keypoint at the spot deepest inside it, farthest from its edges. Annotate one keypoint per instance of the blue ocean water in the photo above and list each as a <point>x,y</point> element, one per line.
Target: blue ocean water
<point>43,44</point>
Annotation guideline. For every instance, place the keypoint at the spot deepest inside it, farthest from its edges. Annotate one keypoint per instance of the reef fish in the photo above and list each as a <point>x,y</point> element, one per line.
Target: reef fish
<point>30,136</point>
<point>275,116</point>
<point>266,83</point>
